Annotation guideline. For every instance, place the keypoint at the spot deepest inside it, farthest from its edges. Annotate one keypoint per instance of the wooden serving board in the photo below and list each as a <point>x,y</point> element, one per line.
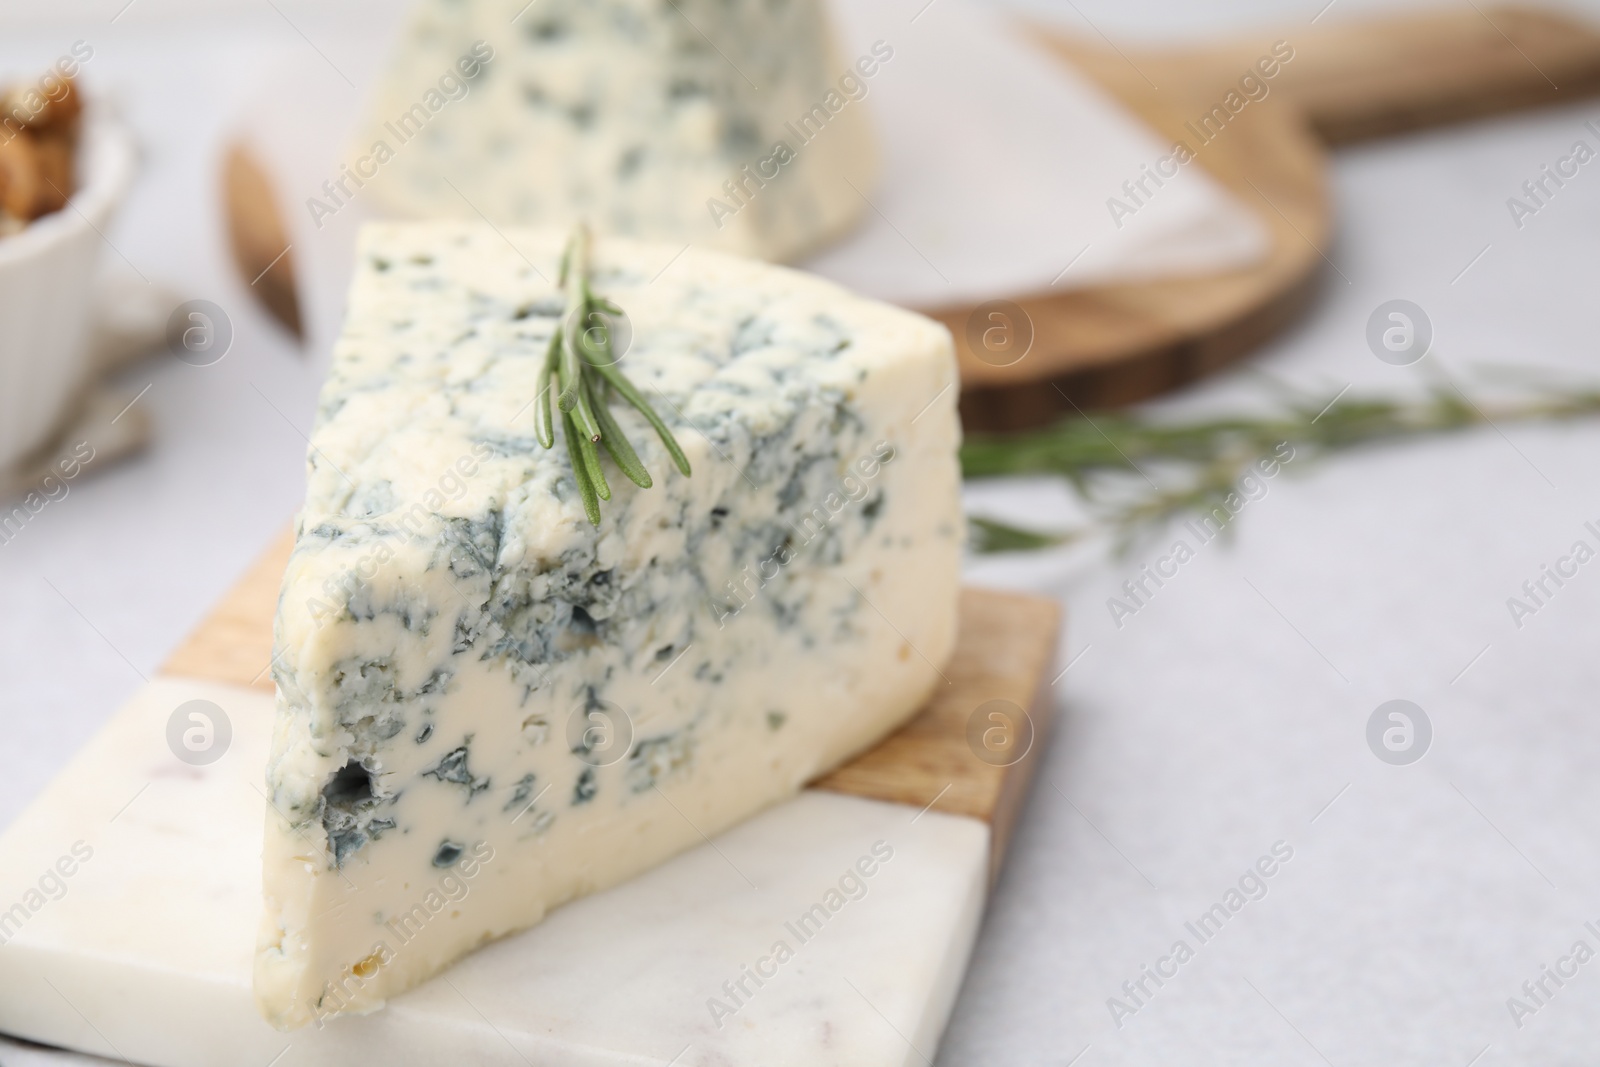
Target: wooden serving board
<point>1348,81</point>
<point>1116,344</point>
<point>1005,646</point>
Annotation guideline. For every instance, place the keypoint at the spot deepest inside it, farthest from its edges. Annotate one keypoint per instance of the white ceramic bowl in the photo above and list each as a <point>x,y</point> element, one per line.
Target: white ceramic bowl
<point>47,286</point>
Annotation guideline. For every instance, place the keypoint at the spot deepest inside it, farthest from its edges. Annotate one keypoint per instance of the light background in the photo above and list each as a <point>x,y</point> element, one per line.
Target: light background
<point>1222,718</point>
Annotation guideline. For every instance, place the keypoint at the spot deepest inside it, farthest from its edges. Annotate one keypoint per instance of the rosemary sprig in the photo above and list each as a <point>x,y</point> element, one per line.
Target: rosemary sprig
<point>580,370</point>
<point>1179,467</point>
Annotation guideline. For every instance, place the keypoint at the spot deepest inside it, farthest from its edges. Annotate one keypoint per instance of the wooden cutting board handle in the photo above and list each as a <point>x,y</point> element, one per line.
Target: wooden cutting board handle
<point>1426,71</point>
<point>1368,78</point>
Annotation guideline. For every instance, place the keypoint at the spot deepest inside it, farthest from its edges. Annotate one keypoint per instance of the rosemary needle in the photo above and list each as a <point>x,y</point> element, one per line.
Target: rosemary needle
<point>591,463</point>
<point>625,389</point>
<point>543,427</point>
<point>616,443</point>
<point>580,470</point>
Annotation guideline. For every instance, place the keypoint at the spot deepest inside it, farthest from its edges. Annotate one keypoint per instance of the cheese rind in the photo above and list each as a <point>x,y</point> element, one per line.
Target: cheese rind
<point>471,674</point>
<point>733,125</point>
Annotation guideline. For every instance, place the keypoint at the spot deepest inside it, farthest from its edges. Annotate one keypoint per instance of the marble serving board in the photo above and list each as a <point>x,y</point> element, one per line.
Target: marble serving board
<point>133,889</point>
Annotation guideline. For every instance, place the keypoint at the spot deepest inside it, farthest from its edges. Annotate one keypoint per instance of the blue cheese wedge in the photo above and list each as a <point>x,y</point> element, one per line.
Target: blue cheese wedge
<point>469,672</point>
<point>732,124</point>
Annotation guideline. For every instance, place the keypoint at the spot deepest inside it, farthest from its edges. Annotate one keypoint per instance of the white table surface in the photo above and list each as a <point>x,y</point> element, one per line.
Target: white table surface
<point>1221,719</point>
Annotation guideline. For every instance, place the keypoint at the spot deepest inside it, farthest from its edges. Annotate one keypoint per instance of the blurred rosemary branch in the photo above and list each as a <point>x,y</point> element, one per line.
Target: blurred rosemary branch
<point>1135,473</point>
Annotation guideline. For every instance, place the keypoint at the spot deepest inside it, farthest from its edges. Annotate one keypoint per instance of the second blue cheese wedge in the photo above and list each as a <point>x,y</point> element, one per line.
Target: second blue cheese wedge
<point>470,673</point>
<point>732,124</point>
